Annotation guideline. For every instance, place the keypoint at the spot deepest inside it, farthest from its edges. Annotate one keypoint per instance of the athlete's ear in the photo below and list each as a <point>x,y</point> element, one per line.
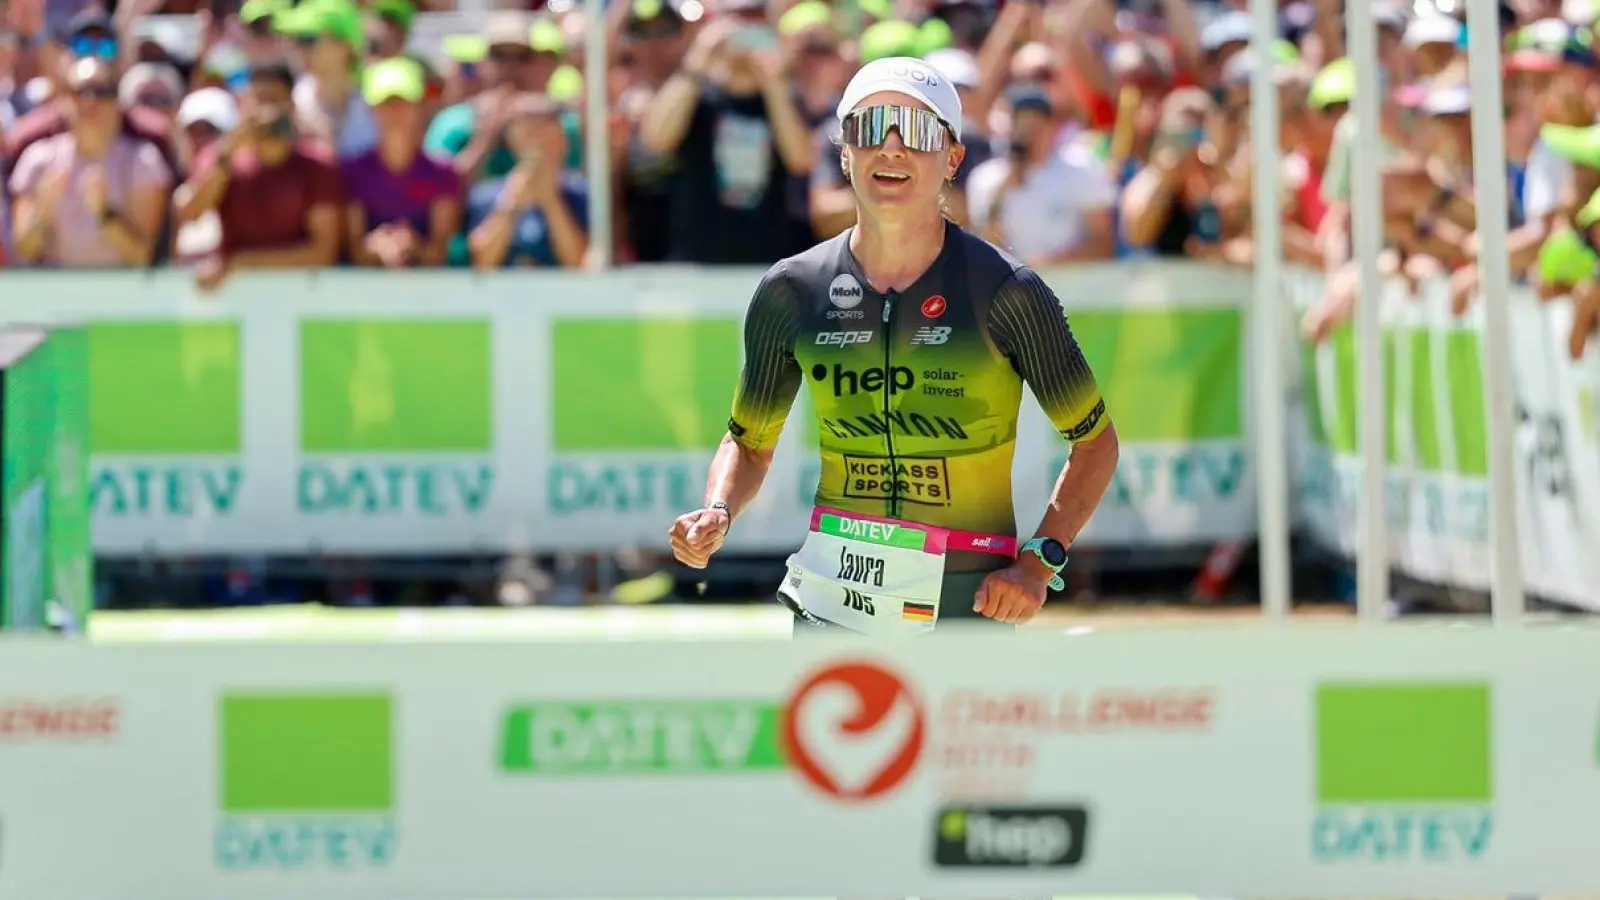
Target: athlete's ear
<point>958,152</point>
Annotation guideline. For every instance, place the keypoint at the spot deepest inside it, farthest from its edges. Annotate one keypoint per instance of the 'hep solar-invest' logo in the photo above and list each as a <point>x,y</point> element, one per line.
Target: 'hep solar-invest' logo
<point>854,730</point>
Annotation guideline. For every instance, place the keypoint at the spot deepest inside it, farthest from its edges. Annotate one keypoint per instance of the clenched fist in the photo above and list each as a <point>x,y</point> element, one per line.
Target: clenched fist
<point>697,535</point>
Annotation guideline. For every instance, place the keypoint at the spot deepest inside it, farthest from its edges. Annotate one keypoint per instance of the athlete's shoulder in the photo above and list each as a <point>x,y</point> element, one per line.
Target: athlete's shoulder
<point>989,266</point>
<point>819,264</point>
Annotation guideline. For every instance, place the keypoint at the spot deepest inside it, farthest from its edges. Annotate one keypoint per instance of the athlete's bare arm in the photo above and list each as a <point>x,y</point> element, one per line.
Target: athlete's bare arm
<point>1028,324</point>
<point>765,393</point>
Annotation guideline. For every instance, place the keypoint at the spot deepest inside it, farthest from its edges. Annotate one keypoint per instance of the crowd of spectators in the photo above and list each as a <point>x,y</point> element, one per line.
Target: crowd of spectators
<point>324,133</point>
<point>224,138</point>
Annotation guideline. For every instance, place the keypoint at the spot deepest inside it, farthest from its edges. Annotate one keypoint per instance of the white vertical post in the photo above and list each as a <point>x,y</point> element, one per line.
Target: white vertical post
<point>1494,270</point>
<point>1372,531</point>
<point>1266,317</point>
<point>597,132</point>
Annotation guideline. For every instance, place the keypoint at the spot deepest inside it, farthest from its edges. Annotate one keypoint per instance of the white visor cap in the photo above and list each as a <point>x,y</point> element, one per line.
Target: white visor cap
<point>909,76</point>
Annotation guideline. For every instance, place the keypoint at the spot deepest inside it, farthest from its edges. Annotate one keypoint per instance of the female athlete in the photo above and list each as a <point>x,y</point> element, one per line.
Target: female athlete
<point>915,338</point>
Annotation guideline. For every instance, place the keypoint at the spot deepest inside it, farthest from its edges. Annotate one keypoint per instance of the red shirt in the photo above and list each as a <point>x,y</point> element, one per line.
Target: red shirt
<point>265,207</point>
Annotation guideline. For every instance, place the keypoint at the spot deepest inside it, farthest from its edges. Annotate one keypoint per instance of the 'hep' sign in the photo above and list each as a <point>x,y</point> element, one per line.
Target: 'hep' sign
<point>64,719</point>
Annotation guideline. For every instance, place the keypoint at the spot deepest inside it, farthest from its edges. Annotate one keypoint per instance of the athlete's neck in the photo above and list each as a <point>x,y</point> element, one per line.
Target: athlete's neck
<point>893,255</point>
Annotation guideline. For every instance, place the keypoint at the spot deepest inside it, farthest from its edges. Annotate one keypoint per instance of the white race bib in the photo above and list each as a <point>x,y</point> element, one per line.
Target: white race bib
<point>879,577</point>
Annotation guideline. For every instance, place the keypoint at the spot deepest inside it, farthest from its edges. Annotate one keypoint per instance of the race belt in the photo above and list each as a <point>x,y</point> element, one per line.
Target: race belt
<point>877,576</point>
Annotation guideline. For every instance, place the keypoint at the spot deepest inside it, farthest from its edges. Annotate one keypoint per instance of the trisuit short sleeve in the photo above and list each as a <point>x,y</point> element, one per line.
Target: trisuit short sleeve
<point>1030,328</point>
<point>770,377</point>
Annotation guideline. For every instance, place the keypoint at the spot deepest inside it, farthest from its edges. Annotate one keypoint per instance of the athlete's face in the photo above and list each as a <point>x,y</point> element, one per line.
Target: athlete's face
<point>893,175</point>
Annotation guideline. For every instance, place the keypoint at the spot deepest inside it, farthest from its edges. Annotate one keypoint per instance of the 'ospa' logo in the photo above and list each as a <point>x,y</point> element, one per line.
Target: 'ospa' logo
<point>307,781</point>
<point>1403,771</point>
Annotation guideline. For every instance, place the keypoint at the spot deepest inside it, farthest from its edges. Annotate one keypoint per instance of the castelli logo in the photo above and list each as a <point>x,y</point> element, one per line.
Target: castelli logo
<point>854,730</point>
<point>934,306</point>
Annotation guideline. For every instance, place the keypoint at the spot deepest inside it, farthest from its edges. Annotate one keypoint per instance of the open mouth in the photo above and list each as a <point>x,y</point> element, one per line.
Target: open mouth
<point>891,177</point>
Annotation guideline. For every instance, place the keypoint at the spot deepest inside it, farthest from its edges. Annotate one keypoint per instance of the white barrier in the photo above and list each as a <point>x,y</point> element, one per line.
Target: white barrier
<point>1243,762</point>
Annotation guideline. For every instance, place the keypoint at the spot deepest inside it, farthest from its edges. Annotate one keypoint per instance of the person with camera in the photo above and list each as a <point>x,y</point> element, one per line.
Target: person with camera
<point>730,116</point>
<point>1046,202</point>
<point>279,200</point>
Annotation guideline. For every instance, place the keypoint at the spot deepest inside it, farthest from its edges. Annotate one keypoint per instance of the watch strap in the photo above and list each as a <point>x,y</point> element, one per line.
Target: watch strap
<point>1036,547</point>
<point>718,504</point>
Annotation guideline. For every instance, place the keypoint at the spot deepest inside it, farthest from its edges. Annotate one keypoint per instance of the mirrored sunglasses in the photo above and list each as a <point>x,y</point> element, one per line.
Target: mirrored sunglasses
<point>919,129</point>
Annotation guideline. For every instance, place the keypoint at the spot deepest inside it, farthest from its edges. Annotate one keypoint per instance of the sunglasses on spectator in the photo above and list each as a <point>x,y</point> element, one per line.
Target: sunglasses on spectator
<point>261,27</point>
<point>159,100</point>
<point>870,127</point>
<point>88,45</point>
<point>819,48</point>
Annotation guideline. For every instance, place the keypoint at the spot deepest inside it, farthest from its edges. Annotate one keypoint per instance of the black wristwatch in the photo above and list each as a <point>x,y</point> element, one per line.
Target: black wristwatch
<point>718,504</point>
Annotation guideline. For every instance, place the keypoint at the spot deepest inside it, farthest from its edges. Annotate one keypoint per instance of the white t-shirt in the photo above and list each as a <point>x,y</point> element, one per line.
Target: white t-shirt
<point>1045,216</point>
<point>1543,180</point>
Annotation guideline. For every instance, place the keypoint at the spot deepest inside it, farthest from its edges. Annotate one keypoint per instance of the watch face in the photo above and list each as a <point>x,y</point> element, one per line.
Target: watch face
<point>1054,553</point>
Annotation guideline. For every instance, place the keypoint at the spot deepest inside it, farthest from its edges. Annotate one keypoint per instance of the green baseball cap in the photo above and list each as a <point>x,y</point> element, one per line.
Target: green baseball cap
<point>399,78</point>
<point>1578,143</point>
<point>335,18</point>
<point>545,36</point>
<point>805,15</point>
<point>1565,259</point>
<point>1336,83</point>
<point>466,48</point>
<point>877,9</point>
<point>1284,52</point>
<point>261,9</point>
<point>933,34</point>
<point>893,37</point>
<point>403,12</point>
<point>565,85</point>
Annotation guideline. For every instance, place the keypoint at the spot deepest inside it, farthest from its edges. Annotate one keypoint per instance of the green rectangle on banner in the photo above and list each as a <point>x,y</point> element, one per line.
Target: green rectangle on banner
<point>1345,434</point>
<point>1425,403</point>
<point>642,383</point>
<point>1169,374</point>
<point>306,753</point>
<point>395,385</point>
<point>1406,742</point>
<point>164,387</point>
<point>1464,360</point>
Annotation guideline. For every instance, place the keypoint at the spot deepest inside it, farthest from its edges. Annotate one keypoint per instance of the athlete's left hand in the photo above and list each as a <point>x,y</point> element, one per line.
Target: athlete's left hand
<point>1014,594</point>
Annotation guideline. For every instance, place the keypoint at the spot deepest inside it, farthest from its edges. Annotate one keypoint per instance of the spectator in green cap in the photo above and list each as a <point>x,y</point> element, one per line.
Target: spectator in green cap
<point>404,207</point>
<point>820,70</point>
<point>262,43</point>
<point>390,27</point>
<point>472,133</point>
<point>327,98</point>
<point>654,37</point>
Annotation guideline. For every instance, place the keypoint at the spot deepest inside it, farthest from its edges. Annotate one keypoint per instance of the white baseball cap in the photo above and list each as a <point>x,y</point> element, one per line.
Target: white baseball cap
<point>909,76</point>
<point>211,105</point>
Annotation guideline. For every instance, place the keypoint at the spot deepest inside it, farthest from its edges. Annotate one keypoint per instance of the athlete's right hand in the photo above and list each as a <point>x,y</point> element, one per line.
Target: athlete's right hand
<point>697,535</point>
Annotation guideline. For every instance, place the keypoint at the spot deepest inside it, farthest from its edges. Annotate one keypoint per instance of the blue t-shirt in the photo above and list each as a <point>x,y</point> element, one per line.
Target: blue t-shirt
<point>530,239</point>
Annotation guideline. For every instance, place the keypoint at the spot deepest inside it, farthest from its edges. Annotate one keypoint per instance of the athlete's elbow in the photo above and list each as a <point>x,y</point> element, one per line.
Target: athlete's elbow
<point>750,455</point>
<point>1104,449</point>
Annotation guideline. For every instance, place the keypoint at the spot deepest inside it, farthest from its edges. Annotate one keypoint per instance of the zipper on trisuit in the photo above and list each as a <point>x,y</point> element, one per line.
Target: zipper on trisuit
<point>888,393</point>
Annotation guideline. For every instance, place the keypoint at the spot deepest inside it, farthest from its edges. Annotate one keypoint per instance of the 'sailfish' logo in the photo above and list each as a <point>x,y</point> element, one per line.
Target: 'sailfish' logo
<point>306,782</point>
<point>853,731</point>
<point>1403,772</point>
<point>396,416</point>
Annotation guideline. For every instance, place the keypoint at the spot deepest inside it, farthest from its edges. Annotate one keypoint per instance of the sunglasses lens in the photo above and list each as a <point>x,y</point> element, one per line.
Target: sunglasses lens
<point>919,129</point>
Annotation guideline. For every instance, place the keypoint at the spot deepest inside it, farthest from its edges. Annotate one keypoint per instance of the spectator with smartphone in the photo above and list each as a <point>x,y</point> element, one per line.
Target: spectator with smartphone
<point>278,198</point>
<point>1048,204</point>
<point>204,118</point>
<point>404,207</point>
<point>90,196</point>
<point>1170,200</point>
<point>730,117</point>
<point>536,215</point>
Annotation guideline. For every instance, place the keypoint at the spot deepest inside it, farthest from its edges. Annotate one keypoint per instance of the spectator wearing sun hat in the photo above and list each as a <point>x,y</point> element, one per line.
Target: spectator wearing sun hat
<point>327,98</point>
<point>404,207</point>
<point>389,27</point>
<point>261,42</point>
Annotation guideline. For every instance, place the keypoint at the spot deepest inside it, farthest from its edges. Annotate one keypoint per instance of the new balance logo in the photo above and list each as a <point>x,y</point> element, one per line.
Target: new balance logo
<point>931,335</point>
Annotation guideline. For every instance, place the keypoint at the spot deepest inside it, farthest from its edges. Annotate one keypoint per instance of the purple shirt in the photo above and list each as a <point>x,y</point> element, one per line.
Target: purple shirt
<point>399,197</point>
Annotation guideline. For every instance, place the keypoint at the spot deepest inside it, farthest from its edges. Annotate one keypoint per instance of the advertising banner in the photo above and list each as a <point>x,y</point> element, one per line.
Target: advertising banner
<point>351,412</point>
<point>1245,762</point>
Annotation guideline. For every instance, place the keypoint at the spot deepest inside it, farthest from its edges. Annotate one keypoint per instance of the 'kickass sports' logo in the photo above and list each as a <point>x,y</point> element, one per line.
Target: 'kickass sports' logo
<point>854,730</point>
